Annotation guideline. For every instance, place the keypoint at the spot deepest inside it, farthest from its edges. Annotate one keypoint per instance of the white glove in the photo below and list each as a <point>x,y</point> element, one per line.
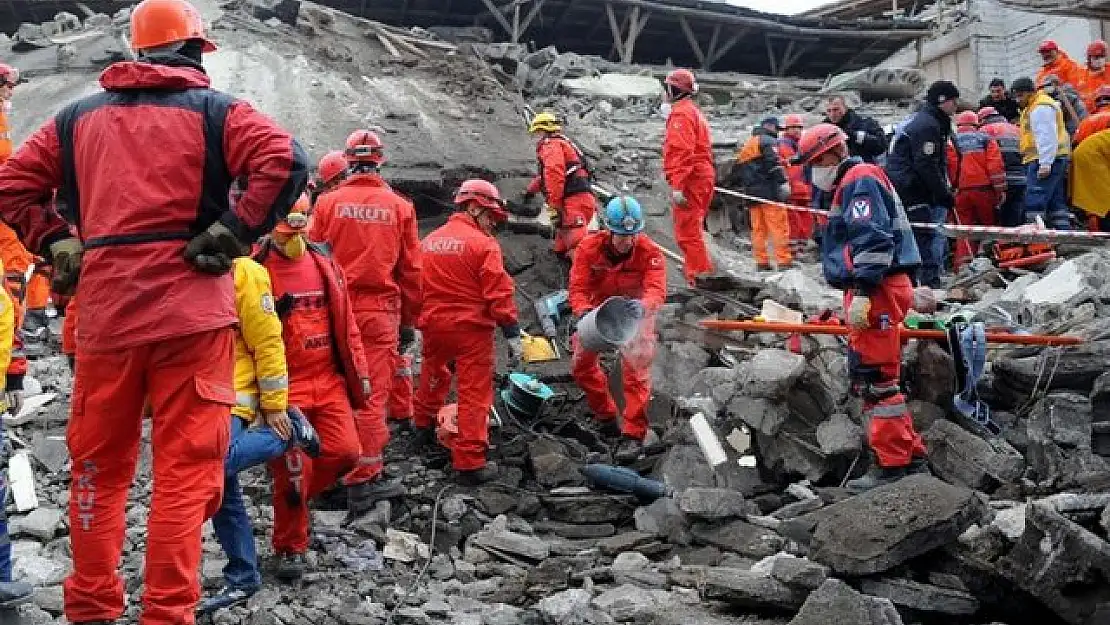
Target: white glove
<point>678,197</point>
<point>784,192</point>
<point>859,311</point>
<point>11,401</point>
<point>861,136</point>
<point>516,353</point>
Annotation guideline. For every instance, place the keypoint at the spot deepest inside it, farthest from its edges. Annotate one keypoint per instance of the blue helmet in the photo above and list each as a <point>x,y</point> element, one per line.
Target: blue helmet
<point>623,215</point>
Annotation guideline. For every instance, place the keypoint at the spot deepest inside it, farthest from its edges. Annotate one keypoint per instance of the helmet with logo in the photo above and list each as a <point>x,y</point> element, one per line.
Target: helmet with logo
<point>680,81</point>
<point>818,140</point>
<point>332,166</point>
<point>967,118</point>
<point>156,23</point>
<point>545,122</point>
<point>793,121</point>
<point>364,146</point>
<point>623,215</point>
<point>483,193</point>
<point>985,113</point>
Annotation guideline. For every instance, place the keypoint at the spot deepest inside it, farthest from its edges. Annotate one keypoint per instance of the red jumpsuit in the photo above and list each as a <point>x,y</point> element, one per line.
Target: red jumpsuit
<point>467,293</point>
<point>1089,85</point>
<point>689,167</point>
<point>975,165</point>
<point>595,276</point>
<point>326,367</point>
<point>1094,123</point>
<point>400,395</point>
<point>372,233</point>
<point>152,326</point>
<point>801,222</point>
<point>565,183</point>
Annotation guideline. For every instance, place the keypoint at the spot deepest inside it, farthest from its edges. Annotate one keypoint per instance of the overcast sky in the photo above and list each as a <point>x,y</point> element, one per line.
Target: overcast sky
<point>787,7</point>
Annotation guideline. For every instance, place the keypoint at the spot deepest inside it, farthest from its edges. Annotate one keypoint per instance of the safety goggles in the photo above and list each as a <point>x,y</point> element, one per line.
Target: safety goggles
<point>296,221</point>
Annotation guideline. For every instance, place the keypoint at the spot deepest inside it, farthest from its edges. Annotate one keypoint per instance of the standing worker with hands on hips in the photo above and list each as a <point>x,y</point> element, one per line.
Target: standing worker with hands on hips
<point>619,261</point>
<point>869,252</point>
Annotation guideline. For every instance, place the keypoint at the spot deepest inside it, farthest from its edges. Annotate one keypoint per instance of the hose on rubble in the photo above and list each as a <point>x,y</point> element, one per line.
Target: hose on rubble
<point>431,555</point>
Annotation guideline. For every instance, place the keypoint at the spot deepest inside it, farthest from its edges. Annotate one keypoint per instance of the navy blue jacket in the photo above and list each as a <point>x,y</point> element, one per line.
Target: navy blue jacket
<point>870,145</point>
<point>917,161</point>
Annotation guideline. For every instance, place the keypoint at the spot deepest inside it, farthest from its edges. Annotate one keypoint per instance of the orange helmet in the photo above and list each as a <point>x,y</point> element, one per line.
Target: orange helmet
<point>681,80</point>
<point>296,221</point>
<point>793,121</point>
<point>967,118</point>
<point>485,194</point>
<point>1048,45</point>
<point>160,22</point>
<point>818,140</point>
<point>364,146</point>
<point>985,112</point>
<point>332,166</point>
<point>9,74</point>
<point>1096,48</point>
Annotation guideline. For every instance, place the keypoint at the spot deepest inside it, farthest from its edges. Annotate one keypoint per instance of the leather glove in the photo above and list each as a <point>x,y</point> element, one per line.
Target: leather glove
<point>1044,171</point>
<point>11,401</point>
<point>213,250</point>
<point>516,353</point>
<point>859,311</point>
<point>784,192</point>
<point>65,256</point>
<point>678,198</point>
<point>407,336</point>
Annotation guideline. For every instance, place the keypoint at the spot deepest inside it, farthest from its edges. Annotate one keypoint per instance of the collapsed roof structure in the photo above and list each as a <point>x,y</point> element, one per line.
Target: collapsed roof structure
<point>696,33</point>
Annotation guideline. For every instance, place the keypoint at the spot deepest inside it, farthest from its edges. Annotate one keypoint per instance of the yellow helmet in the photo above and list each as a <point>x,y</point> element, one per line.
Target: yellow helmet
<point>545,122</point>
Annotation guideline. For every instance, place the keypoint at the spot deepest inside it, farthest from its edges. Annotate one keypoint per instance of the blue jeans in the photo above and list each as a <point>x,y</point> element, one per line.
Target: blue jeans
<point>5,540</point>
<point>931,244</point>
<point>1047,198</point>
<point>1012,211</point>
<point>249,447</point>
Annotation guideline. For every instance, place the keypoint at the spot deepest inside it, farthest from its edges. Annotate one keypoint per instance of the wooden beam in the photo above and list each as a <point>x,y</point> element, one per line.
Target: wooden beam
<point>516,23</point>
<point>635,27</point>
<point>856,58</point>
<point>771,54</point>
<point>532,14</point>
<point>493,10</point>
<point>712,45</point>
<point>728,45</point>
<point>784,64</point>
<point>693,40</point>
<point>618,42</point>
<point>789,61</point>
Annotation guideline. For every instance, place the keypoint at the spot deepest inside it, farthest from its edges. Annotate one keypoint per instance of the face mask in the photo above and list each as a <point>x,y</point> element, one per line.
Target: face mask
<point>1050,90</point>
<point>1098,64</point>
<point>294,247</point>
<point>7,106</point>
<point>824,177</point>
<point>665,109</point>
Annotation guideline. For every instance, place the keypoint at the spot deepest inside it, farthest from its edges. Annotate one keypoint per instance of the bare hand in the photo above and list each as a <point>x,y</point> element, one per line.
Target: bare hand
<point>1044,171</point>
<point>279,421</point>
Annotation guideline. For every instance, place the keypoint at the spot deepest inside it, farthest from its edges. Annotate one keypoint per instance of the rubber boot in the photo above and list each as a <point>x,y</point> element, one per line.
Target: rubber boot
<point>291,566</point>
<point>362,497</point>
<point>477,477</point>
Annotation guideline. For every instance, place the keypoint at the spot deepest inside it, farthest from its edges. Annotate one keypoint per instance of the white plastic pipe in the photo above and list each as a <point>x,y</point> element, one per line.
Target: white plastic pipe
<point>708,441</point>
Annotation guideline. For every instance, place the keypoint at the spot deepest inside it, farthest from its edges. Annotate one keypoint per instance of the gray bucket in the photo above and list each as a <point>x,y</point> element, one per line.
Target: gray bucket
<point>609,326</point>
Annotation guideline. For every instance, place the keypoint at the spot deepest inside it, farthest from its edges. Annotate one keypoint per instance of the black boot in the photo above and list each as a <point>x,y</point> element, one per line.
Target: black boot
<point>362,497</point>
<point>877,476</point>
<point>291,566</point>
<point>477,477</point>
<point>609,428</point>
<point>627,450</point>
<point>424,438</point>
<point>304,435</point>
<point>226,598</point>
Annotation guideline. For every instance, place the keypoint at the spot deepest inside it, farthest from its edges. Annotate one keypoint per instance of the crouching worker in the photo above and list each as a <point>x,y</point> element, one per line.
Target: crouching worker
<point>619,260</point>
<point>11,593</point>
<point>327,380</point>
<point>467,293</point>
<point>869,252</point>
<point>261,390</point>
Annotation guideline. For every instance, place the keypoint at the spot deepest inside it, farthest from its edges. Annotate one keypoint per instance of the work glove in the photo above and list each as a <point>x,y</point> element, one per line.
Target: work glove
<point>553,214</point>
<point>213,250</point>
<point>678,198</point>
<point>278,420</point>
<point>859,311</point>
<point>784,192</point>
<point>65,255</point>
<point>406,337</point>
<point>924,300</point>
<point>1044,171</point>
<point>11,401</point>
<point>284,305</point>
<point>516,353</point>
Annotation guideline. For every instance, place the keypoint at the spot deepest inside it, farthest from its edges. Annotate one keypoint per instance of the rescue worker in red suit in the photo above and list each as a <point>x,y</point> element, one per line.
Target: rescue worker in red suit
<point>870,253</point>
<point>689,168</point>
<point>564,180</point>
<point>372,233</point>
<point>1099,120</point>
<point>330,171</point>
<point>13,255</point>
<point>328,379</point>
<point>467,294</point>
<point>976,169</point>
<point>619,261</point>
<point>1094,76</point>
<point>1008,137</point>
<point>801,222</point>
<point>154,257</point>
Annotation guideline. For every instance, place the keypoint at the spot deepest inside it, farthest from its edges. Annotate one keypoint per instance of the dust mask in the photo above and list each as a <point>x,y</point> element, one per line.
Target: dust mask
<point>1098,64</point>
<point>7,106</point>
<point>294,247</point>
<point>824,177</point>
<point>665,109</point>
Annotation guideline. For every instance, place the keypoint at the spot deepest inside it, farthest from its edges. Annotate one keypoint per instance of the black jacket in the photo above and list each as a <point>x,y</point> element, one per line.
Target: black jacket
<point>917,164</point>
<point>874,139</point>
<point>1006,107</point>
<point>758,169</point>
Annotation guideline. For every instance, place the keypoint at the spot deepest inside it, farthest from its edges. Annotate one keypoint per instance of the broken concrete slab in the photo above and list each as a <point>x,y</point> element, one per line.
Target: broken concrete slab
<point>884,527</point>
<point>513,544</point>
<point>571,607</point>
<point>684,466</point>
<point>552,465</point>
<point>576,530</point>
<point>663,518</point>
<point>962,458</point>
<point>771,373</point>
<point>42,523</point>
<point>739,537</point>
<point>792,570</point>
<point>763,415</point>
<point>922,597</point>
<point>284,10</point>
<point>840,435</point>
<point>720,383</point>
<point>590,508</point>
<point>635,568</point>
<point>715,503</point>
<point>625,541</point>
<point>613,87</point>
<point>788,455</point>
<point>837,602</point>
<point>632,603</point>
<point>745,589</point>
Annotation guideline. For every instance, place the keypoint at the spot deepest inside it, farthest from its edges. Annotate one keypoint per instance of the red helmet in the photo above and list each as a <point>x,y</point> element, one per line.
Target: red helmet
<point>485,194</point>
<point>682,80</point>
<point>9,74</point>
<point>793,121</point>
<point>818,140</point>
<point>1048,45</point>
<point>967,118</point>
<point>1096,48</point>
<point>332,166</point>
<point>364,146</point>
<point>985,112</point>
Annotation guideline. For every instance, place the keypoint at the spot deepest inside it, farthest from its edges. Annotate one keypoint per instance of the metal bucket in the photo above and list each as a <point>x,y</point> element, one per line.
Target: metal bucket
<point>609,326</point>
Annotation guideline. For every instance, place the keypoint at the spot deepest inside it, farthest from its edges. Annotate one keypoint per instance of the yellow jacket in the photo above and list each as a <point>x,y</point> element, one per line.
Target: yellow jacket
<point>7,331</point>
<point>1028,144</point>
<point>261,374</point>
<point>1090,174</point>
